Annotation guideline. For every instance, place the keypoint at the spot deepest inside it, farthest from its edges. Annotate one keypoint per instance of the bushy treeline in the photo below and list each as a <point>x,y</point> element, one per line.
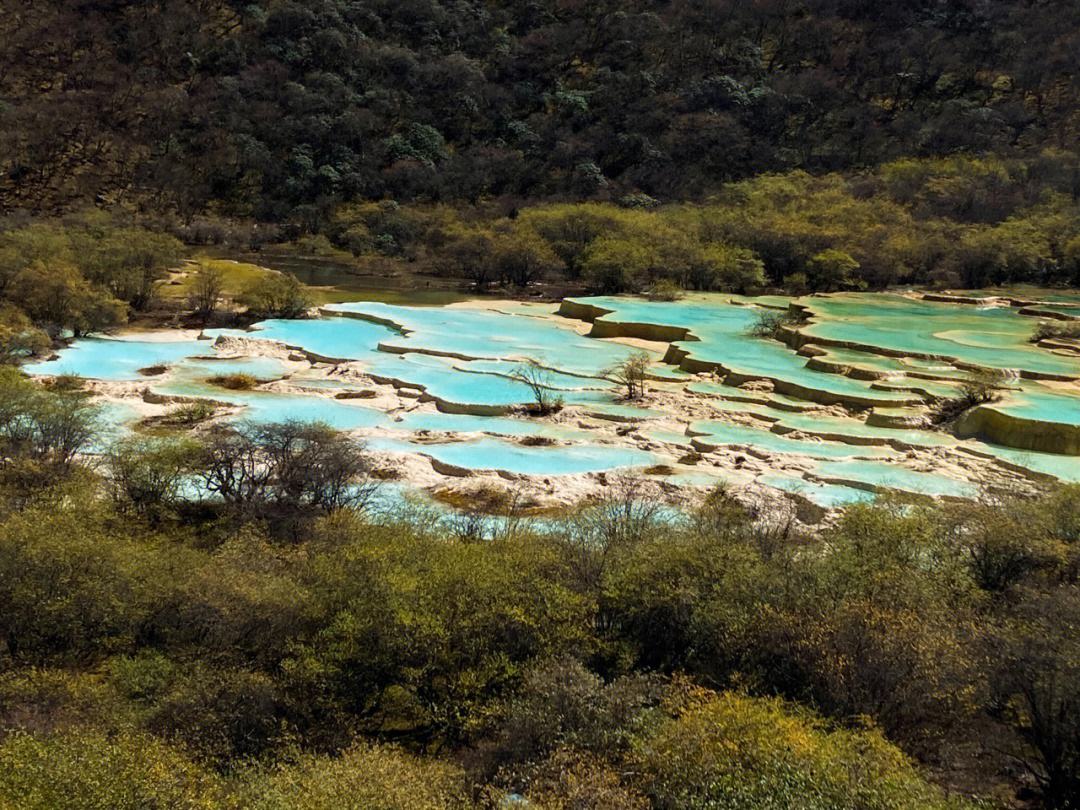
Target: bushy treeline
<point>953,222</point>
<point>956,222</point>
<point>93,271</point>
<point>79,275</point>
<point>162,648</point>
<point>276,108</point>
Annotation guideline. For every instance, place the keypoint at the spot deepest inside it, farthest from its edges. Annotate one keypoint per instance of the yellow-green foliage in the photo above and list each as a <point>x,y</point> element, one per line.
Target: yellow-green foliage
<point>70,583</point>
<point>41,700</point>
<point>236,277</point>
<point>454,622</point>
<point>116,262</point>
<point>19,338</point>
<point>235,649</point>
<point>276,295</point>
<point>959,221</point>
<point>87,770</point>
<point>364,777</point>
<point>732,752</point>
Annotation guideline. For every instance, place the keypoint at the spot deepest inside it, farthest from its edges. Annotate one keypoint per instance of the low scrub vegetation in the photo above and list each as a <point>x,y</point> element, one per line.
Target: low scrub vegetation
<point>189,414</point>
<point>1056,330</point>
<point>978,388</point>
<point>234,382</point>
<point>771,323</point>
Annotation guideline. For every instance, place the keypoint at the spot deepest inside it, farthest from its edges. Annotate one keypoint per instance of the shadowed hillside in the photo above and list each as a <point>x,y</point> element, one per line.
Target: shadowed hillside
<point>267,108</point>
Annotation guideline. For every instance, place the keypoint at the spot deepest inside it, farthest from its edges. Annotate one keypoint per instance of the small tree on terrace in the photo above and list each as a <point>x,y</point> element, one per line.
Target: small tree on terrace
<point>277,295</point>
<point>631,374</point>
<point>538,379</point>
<point>833,270</point>
<point>207,285</point>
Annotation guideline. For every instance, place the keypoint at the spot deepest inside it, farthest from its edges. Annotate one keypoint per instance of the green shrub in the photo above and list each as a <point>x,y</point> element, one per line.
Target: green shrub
<point>148,475</point>
<point>87,770</point>
<point>665,290</point>
<point>277,295</point>
<point>978,388</point>
<point>365,777</point>
<point>190,414</point>
<point>1056,330</point>
<point>731,752</point>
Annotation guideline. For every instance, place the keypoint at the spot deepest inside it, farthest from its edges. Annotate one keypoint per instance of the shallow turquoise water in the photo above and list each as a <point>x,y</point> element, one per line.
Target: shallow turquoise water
<point>1042,404</point>
<point>262,369</point>
<point>493,454</point>
<point>837,426</point>
<point>993,337</point>
<point>723,336</point>
<point>829,496</point>
<point>549,377</point>
<point>466,423</point>
<point>338,338</point>
<point>458,382</point>
<point>484,334</point>
<point>117,359</point>
<point>1065,468</point>
<point>498,425</point>
<point>453,381</point>
<point>114,420</point>
<point>492,343</point>
<point>272,407</point>
<point>723,433</point>
<point>893,476</point>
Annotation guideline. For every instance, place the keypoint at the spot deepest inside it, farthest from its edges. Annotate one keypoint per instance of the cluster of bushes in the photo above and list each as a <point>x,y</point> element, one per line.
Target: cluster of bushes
<point>81,275</point>
<point>277,639</point>
<point>1056,330</point>
<point>86,273</point>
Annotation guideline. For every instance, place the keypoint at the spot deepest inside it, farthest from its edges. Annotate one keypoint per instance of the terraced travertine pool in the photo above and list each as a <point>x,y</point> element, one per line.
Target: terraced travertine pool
<point>833,412</point>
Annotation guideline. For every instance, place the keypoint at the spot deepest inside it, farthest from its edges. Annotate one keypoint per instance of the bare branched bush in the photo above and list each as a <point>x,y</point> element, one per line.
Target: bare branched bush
<point>539,380</point>
<point>286,468</point>
<point>631,375</point>
<point>207,286</point>
<point>979,388</point>
<point>770,323</point>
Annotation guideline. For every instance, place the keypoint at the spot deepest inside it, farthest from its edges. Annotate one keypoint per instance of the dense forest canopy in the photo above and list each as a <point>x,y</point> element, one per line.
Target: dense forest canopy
<point>275,109</point>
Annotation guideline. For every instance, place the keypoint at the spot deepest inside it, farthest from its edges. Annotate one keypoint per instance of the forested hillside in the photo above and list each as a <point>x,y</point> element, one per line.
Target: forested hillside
<point>275,109</point>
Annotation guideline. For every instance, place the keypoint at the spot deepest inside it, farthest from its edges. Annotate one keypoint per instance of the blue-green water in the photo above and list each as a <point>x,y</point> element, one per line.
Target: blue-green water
<point>489,335</point>
<point>881,475</point>
<point>829,496</point>
<point>493,454</point>
<point>731,435</point>
<point>104,358</point>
